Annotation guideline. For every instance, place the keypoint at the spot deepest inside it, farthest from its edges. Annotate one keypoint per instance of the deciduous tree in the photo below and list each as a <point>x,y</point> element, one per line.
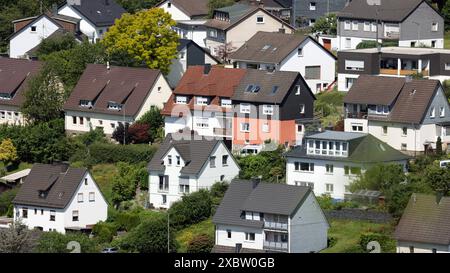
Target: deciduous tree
<point>8,153</point>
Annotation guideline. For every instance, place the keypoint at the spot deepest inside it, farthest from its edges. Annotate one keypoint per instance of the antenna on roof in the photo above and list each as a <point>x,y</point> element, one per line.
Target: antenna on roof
<point>108,66</point>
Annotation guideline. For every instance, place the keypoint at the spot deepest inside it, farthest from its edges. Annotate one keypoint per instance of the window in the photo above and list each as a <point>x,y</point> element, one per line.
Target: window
<point>404,147</point>
<point>329,187</point>
<point>92,197</point>
<point>349,82</point>
<point>164,199</point>
<point>169,4</point>
<point>225,160</point>
<point>299,128</point>
<point>226,103</point>
<point>373,27</point>
<point>2,114</point>
<point>169,160</point>
<point>404,131</point>
<point>244,108</point>
<point>312,72</point>
<point>245,127</point>
<point>268,110</point>
<point>222,177</point>
<point>265,127</point>
<point>434,250</point>
<point>74,120</point>
<point>300,51</point>
<point>433,43</point>
<point>298,89</point>
<point>302,108</point>
<point>52,215</point>
<point>355,25</point>
<point>357,127</point>
<point>184,188</point>
<point>447,66</point>
<point>35,211</point>
<point>113,125</point>
<point>228,233</point>
<point>432,112</point>
<point>164,183</point>
<point>385,130</point>
<point>249,236</point>
<point>354,65</point>
<point>178,160</point>
<point>411,249</point>
<point>212,33</point>
<point>42,212</point>
<point>75,216</point>
<point>348,42</point>
<point>260,19</point>
<point>312,6</point>
<point>80,198</point>
<point>212,162</point>
<point>441,111</point>
<point>202,101</point>
<point>366,26</point>
<point>25,213</point>
<point>434,26</point>
<point>181,100</point>
<point>304,184</point>
<point>33,28</point>
<point>329,168</point>
<point>202,123</point>
<point>347,25</point>
<point>81,120</point>
<point>306,167</point>
<point>413,44</point>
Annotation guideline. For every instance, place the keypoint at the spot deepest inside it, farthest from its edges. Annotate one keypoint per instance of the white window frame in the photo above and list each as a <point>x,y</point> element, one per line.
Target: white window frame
<point>260,17</point>
<point>298,90</point>
<point>312,6</point>
<point>447,66</point>
<point>367,26</point>
<point>329,187</point>
<point>268,110</point>
<point>202,122</point>
<point>242,127</point>
<point>403,131</point>
<point>373,27</point>
<point>432,112</point>
<point>442,111</point>
<point>355,25</point>
<point>434,26</point>
<point>92,197</point>
<point>201,101</point>
<point>302,108</point>
<point>265,127</point>
<point>329,168</point>
<point>226,103</point>
<point>244,108</point>
<point>347,25</point>
<point>80,197</point>
<point>354,65</point>
<point>181,100</point>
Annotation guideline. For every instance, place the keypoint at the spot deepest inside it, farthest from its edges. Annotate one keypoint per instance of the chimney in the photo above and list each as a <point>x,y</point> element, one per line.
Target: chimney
<point>54,9</point>
<point>64,165</point>
<point>439,196</point>
<point>106,2</point>
<point>74,2</point>
<point>256,181</point>
<point>108,67</point>
<point>238,248</point>
<point>206,69</point>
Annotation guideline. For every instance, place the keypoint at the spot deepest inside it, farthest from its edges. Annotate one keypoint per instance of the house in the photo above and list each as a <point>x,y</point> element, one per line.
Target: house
<point>232,26</point>
<point>306,12</point>
<point>186,163</point>
<point>256,217</point>
<point>247,107</point>
<point>15,179</point>
<point>409,115</point>
<point>29,32</point>
<point>58,198</point>
<point>286,52</point>
<point>431,63</point>
<point>96,16</point>
<point>411,23</point>
<point>106,96</point>
<point>423,227</point>
<point>190,16</point>
<point>280,8</point>
<point>271,107</point>
<point>189,54</point>
<point>15,75</point>
<point>329,161</point>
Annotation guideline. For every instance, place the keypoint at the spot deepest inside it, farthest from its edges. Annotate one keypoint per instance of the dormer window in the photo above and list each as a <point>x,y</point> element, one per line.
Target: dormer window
<point>225,102</point>
<point>42,194</point>
<point>5,96</point>
<point>327,147</point>
<point>181,100</point>
<point>202,101</point>
<point>85,103</point>
<point>169,160</point>
<point>114,106</point>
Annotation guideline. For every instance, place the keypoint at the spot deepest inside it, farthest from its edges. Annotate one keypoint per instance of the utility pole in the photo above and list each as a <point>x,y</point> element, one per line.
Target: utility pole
<point>168,232</point>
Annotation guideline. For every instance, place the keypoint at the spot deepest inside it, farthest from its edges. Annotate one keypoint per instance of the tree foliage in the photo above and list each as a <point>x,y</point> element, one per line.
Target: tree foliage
<point>129,178</point>
<point>139,133</point>
<point>446,13</point>
<point>155,121</point>
<point>326,24</point>
<point>191,209</point>
<point>133,6</point>
<point>216,4</point>
<point>144,38</point>
<point>438,178</point>
<point>55,242</point>
<point>18,239</point>
<point>8,153</point>
<point>121,134</point>
<point>271,165</point>
<point>57,43</point>
<point>201,243</point>
<point>6,198</point>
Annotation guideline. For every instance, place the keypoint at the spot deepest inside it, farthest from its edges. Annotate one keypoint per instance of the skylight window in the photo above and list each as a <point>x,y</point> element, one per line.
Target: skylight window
<point>275,89</point>
<point>252,88</point>
<point>265,47</point>
<point>5,96</point>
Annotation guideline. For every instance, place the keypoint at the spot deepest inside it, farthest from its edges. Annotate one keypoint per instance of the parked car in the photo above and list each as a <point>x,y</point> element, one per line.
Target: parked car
<point>110,250</point>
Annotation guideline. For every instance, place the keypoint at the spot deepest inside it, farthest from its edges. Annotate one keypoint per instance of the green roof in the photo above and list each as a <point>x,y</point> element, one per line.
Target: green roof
<point>237,11</point>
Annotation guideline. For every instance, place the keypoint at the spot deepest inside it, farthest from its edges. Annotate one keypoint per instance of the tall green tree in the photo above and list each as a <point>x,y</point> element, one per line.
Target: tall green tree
<point>155,121</point>
<point>8,153</point>
<point>438,178</point>
<point>446,13</point>
<point>326,24</point>
<point>54,44</point>
<point>145,38</point>
<point>133,6</point>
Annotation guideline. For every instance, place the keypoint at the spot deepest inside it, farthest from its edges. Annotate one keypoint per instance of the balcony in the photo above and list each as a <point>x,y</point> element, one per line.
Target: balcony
<point>223,132</point>
<point>357,115</point>
<point>276,246</point>
<point>402,72</point>
<point>275,225</point>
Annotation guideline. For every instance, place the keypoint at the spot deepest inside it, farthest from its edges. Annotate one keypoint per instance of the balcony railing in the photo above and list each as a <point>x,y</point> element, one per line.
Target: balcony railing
<point>275,225</point>
<point>403,72</point>
<point>277,246</point>
<point>222,131</point>
<point>358,115</point>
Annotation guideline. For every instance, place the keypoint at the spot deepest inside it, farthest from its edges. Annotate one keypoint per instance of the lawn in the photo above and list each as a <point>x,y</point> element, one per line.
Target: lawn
<point>447,40</point>
<point>103,175</point>
<point>347,234</point>
<point>328,107</point>
<point>185,235</point>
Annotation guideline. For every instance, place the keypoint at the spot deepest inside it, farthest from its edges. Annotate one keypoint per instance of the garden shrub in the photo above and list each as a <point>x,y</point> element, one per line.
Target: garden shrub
<point>201,243</point>
<point>193,208</point>
<point>387,244</point>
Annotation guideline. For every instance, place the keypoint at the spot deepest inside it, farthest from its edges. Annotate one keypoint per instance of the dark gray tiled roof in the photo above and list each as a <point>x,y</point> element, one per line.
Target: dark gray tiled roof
<point>194,152</point>
<point>284,80</point>
<point>58,181</point>
<point>425,221</point>
<point>100,12</point>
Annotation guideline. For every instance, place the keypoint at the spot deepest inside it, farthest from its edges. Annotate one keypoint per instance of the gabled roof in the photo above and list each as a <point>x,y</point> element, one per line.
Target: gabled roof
<point>182,43</point>
<point>273,86</point>
<point>59,182</point>
<point>271,47</point>
<point>192,8</point>
<point>14,78</point>
<point>100,12</point>
<point>425,220</point>
<point>390,10</point>
<point>247,195</point>
<point>123,85</point>
<point>194,150</point>
<point>237,13</point>
<point>409,98</point>
<point>363,148</point>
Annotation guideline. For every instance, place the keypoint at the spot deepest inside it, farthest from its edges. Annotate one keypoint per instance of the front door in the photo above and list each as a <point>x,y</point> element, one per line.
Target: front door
<point>327,44</point>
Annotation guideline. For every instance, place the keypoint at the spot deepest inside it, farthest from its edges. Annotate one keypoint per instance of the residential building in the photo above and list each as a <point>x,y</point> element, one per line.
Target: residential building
<point>409,115</point>
<point>190,16</point>
<point>15,75</point>
<point>286,52</point>
<point>59,198</point>
<point>411,23</point>
<point>96,16</point>
<point>307,12</point>
<point>431,63</point>
<point>423,227</point>
<point>202,101</point>
<point>29,32</point>
<point>256,217</point>
<point>232,26</point>
<point>186,163</point>
<point>280,8</point>
<point>106,96</point>
<point>189,54</point>
<point>271,107</point>
<point>329,161</point>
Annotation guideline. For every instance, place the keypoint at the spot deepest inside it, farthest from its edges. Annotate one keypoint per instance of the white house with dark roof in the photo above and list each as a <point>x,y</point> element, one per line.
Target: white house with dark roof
<point>328,162</point>
<point>186,163</point>
<point>256,217</point>
<point>106,96</point>
<point>96,16</point>
<point>409,115</point>
<point>286,52</point>
<point>59,198</point>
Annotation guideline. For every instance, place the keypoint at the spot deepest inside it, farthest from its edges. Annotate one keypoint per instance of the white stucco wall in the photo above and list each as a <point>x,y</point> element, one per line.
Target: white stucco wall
<point>238,236</point>
<point>427,42</point>
<point>342,78</point>
<point>176,13</point>
<point>86,27</point>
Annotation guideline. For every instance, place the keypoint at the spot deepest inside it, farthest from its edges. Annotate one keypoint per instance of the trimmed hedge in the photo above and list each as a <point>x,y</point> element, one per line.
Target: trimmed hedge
<point>387,244</point>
